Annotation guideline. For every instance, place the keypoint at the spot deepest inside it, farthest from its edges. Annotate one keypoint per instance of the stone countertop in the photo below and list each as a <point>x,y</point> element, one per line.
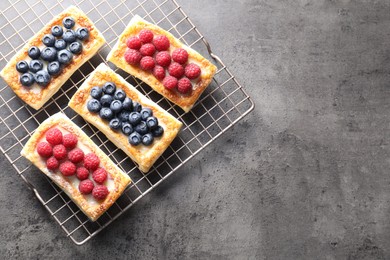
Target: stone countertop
<point>304,176</point>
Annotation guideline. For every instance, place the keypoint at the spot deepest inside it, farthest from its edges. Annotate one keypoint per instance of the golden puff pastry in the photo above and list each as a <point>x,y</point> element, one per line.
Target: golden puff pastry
<point>187,101</point>
<point>144,156</point>
<point>116,181</point>
<point>36,96</point>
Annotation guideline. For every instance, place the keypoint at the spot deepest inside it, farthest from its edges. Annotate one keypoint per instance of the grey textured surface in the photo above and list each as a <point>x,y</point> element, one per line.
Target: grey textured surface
<point>304,176</point>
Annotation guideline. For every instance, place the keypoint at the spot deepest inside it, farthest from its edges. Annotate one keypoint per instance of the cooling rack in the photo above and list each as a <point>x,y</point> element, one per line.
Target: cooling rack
<point>222,104</point>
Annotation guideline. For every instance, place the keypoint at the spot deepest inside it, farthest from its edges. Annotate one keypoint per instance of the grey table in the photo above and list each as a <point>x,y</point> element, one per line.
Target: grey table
<point>304,176</point>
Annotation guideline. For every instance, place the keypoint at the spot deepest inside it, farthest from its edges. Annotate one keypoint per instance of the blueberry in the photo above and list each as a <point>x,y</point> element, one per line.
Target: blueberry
<point>106,113</point>
<point>141,128</point>
<point>35,65</point>
<point>60,44</point>
<point>76,47</point>
<point>106,100</point>
<point>82,33</point>
<point>116,106</point>
<point>54,68</point>
<point>124,116</point>
<point>64,56</point>
<point>147,139</point>
<point>42,78</point>
<point>49,54</point>
<point>48,40</point>
<point>57,31</point>
<point>22,66</point>
<point>96,92</point>
<point>127,104</point>
<point>115,124</point>
<point>68,22</point>
<point>135,138</point>
<point>137,106</point>
<point>127,129</point>
<point>120,95</point>
<point>109,88</point>
<point>134,118</point>
<point>151,122</point>
<point>69,36</point>
<point>158,131</point>
<point>34,52</point>
<point>94,105</point>
<point>27,79</point>
<point>146,112</point>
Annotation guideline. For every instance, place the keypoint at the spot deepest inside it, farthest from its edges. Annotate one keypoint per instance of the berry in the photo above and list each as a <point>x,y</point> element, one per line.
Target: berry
<point>147,63</point>
<point>134,43</point>
<point>115,124</point>
<point>161,42</point>
<point>36,65</point>
<point>146,36</point>
<point>100,192</point>
<point>137,106</point>
<point>67,168</point>
<point>60,44</point>
<point>134,118</point>
<point>86,186</point>
<point>68,22</point>
<point>69,141</point>
<point>159,72</point>
<point>151,122</point>
<point>192,71</point>
<point>42,78</point>
<point>94,105</point>
<point>147,49</point>
<point>170,82</point>
<point>176,70</point>
<point>109,88</point>
<point>132,57</point>
<point>59,151</point>
<point>22,66</point>
<point>54,136</point>
<point>69,36</point>
<point>99,175</point>
<point>184,85</point>
<point>106,100</point>
<point>135,138</point>
<point>34,52</point>
<point>91,161</point>
<point>54,68</point>
<point>52,163</point>
<point>82,33</point>
<point>82,173</point>
<point>76,47</point>
<point>116,106</point>
<point>120,95</point>
<point>141,128</point>
<point>163,58</point>
<point>48,40</point>
<point>106,113</point>
<point>124,116</point>
<point>64,56</point>
<point>57,31</point>
<point>96,92</point>
<point>49,54</point>
<point>158,131</point>
<point>147,139</point>
<point>180,55</point>
<point>127,129</point>
<point>146,112</point>
<point>44,149</point>
<point>76,155</point>
<point>27,79</point>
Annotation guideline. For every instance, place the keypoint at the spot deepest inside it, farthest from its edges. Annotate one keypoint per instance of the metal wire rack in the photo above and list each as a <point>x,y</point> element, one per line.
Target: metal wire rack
<point>222,104</point>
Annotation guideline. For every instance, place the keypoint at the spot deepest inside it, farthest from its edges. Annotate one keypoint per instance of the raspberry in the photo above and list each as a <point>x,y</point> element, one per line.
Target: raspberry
<point>59,151</point>
<point>163,58</point>
<point>69,141</point>
<point>67,168</point>
<point>159,72</point>
<point>161,42</point>
<point>133,43</point>
<point>52,163</point>
<point>44,149</point>
<point>54,136</point>
<point>170,82</point>
<point>100,175</point>
<point>100,192</point>
<point>76,155</point>
<point>91,161</point>
<point>180,55</point>
<point>132,57</point>
<point>176,70</point>
<point>82,173</point>
<point>184,85</point>
<point>192,71</point>
<point>147,49</point>
<point>147,63</point>
<point>145,36</point>
<point>86,186</point>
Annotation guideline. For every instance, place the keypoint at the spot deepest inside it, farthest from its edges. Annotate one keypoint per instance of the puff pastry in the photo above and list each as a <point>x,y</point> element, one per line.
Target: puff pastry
<point>186,102</point>
<point>117,180</point>
<point>37,96</point>
<point>144,156</point>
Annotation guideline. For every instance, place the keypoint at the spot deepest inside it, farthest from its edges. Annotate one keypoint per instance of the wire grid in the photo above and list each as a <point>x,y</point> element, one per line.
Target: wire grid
<point>222,104</point>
